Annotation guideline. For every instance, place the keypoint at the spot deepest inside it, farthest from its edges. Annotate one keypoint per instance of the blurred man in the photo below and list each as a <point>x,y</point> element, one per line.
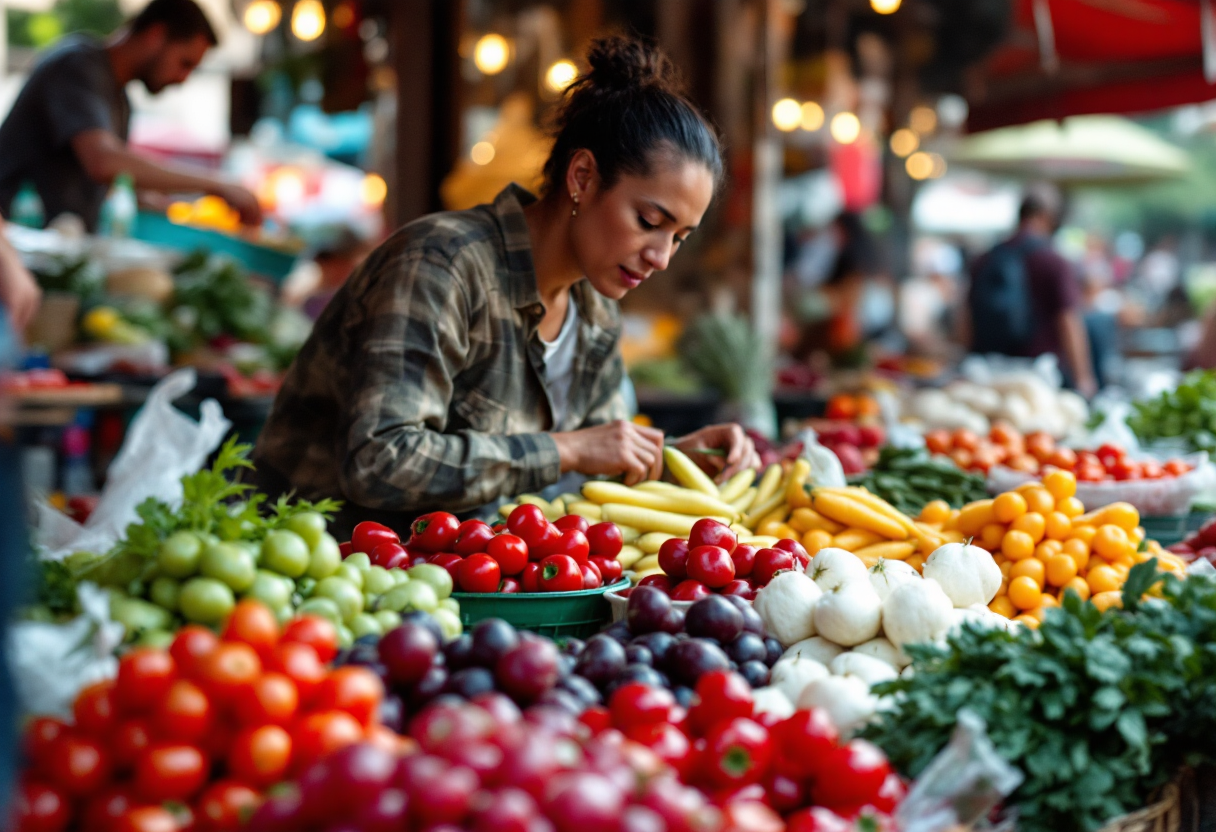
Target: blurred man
<point>1025,301</point>
<point>67,130</point>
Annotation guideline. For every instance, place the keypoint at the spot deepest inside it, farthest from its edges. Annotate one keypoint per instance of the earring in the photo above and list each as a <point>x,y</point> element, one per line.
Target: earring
<point>574,211</point>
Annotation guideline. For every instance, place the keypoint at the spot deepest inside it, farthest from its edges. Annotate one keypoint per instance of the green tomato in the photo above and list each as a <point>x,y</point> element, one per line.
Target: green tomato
<point>164,592</point>
<point>158,639</point>
<point>286,553</point>
<point>365,624</point>
<point>137,615</point>
<point>436,576</point>
<point>231,564</point>
<point>377,580</point>
<point>325,558</point>
<point>306,587</point>
<point>208,539</point>
<point>308,525</point>
<point>206,600</point>
<point>343,593</point>
<point>400,576</point>
<point>284,614</point>
<point>449,623</point>
<point>323,607</point>
<point>358,559</point>
<point>353,574</point>
<point>180,554</point>
<point>415,595</point>
<point>345,637</point>
<point>271,589</point>
<point>388,619</point>
<point>451,605</point>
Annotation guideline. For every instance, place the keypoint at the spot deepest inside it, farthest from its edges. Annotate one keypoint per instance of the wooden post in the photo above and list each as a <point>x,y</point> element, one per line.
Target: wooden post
<point>767,160</point>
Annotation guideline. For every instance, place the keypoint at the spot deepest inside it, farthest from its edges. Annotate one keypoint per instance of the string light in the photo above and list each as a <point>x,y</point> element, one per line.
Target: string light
<point>491,53</point>
<point>308,19</point>
<point>845,127</point>
<point>262,16</point>
<point>482,153</point>
<point>560,75</point>
<point>812,116</point>
<point>787,115</point>
<point>904,142</point>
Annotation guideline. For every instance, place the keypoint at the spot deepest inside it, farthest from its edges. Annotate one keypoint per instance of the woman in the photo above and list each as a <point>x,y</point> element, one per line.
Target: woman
<point>474,354</point>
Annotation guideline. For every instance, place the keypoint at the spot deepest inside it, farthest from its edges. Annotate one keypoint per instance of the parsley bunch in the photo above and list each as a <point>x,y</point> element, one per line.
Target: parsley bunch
<point>1097,709</point>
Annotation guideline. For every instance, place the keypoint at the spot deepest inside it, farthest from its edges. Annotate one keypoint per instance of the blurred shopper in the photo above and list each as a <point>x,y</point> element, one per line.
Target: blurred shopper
<point>67,131</point>
<point>1025,301</point>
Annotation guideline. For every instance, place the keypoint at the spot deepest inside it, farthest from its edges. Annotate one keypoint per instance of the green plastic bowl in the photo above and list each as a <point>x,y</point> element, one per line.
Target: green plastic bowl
<point>574,614</point>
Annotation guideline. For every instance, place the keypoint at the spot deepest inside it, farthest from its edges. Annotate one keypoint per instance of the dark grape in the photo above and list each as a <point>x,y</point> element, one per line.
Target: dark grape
<point>581,688</point>
<point>458,653</point>
<point>673,622</point>
<point>470,682</point>
<point>619,631</point>
<point>752,622</point>
<point>492,638</point>
<point>573,646</point>
<point>772,651</point>
<point>748,647</point>
<point>427,688</point>
<point>408,652</point>
<point>424,620</point>
<point>684,696</point>
<point>601,660</point>
<point>647,610</point>
<point>688,660</point>
<point>714,617</point>
<point>565,665</point>
<point>755,672</point>
<point>637,654</point>
<point>658,643</point>
<point>392,713</point>
<point>564,699</point>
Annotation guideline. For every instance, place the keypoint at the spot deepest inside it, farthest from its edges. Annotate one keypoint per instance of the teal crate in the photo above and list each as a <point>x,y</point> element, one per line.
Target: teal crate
<point>1170,530</point>
<point>573,614</point>
<point>262,260</point>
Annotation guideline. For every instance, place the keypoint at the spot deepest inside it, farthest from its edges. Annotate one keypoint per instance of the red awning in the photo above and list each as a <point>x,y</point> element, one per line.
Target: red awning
<point>1111,56</point>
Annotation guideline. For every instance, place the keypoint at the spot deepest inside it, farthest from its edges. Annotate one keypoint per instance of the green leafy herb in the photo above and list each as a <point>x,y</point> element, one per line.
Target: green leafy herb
<point>1187,413</point>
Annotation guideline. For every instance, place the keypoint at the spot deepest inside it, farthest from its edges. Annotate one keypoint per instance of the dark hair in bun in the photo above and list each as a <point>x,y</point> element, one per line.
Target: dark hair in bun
<point>628,104</point>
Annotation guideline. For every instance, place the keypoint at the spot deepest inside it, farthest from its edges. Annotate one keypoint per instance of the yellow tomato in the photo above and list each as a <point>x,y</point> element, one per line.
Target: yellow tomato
<point>1110,541</point>
<point>1102,578</point>
<point>1032,568</point>
<point>1029,620</point>
<point>1060,484</point>
<point>1009,506</point>
<point>1078,550</point>
<point>1106,600</point>
<point>1061,569</point>
<point>1085,533</point>
<point>1057,525</point>
<point>1070,507</point>
<point>1032,523</point>
<point>991,536</point>
<point>1001,605</point>
<point>1078,586</point>
<point>1017,545</point>
<point>1024,593</point>
<point>1039,500</point>
<point>937,511</point>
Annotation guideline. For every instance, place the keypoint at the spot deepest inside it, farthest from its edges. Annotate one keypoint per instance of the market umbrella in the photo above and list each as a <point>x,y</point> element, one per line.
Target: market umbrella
<point>1095,149</point>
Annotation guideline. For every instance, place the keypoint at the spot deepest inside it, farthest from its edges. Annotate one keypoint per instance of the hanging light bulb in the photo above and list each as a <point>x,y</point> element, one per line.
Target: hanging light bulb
<point>491,53</point>
<point>845,127</point>
<point>560,75</point>
<point>308,19</point>
<point>261,16</point>
<point>787,115</point>
<point>885,6</point>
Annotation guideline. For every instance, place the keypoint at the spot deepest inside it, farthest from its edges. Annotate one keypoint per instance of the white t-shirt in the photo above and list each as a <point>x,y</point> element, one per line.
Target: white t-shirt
<point>559,363</point>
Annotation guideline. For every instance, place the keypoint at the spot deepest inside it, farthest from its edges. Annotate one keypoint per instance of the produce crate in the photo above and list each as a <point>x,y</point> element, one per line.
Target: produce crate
<point>1170,530</point>
<point>270,262</point>
<point>1165,815</point>
<point>578,614</point>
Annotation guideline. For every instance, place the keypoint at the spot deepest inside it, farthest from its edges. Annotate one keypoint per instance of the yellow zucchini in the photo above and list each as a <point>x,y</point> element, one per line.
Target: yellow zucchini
<point>628,556</point>
<point>506,508</point>
<point>679,502</point>
<point>587,509</point>
<point>891,550</point>
<point>805,519</point>
<point>745,502</point>
<point>687,473</point>
<point>651,542</point>
<point>652,520</point>
<point>769,482</point>
<point>737,486</point>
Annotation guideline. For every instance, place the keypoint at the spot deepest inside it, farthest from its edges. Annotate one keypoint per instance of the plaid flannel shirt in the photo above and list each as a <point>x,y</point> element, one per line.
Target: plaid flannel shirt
<point>422,385</point>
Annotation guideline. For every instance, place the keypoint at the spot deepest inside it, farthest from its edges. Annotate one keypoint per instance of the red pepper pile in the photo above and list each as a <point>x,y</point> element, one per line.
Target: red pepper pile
<point>526,554</point>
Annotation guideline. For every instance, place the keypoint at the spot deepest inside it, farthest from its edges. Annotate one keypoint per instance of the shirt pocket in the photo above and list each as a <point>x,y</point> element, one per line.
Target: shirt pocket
<point>479,412</point>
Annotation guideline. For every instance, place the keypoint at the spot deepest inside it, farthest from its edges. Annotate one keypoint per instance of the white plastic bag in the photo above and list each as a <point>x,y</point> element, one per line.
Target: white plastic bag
<point>1114,429</point>
<point>899,435</point>
<point>50,663</point>
<point>162,446</point>
<point>826,470</point>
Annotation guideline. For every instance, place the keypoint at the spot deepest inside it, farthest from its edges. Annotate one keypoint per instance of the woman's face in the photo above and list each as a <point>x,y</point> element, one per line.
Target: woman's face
<point>628,232</point>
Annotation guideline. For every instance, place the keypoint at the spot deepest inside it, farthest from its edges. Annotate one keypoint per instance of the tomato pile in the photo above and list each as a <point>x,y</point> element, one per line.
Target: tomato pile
<point>526,554</point>
<point>713,561</point>
<point>1034,453</point>
<point>204,726</point>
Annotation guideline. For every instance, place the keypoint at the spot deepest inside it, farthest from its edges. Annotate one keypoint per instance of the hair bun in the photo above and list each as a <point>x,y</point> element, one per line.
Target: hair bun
<point>619,63</point>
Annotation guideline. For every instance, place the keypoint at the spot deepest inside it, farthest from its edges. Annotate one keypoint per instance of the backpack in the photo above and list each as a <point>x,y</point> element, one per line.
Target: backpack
<point>1002,313</point>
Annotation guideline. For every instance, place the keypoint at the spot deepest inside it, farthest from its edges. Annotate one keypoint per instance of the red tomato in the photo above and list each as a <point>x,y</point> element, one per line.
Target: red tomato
<point>560,573</point>
<point>130,740</point>
<point>737,753</point>
<point>1064,458</point>
<point>144,674</point>
<point>572,521</point>
<point>528,522</point>
<point>572,543</point>
<point>299,662</point>
<point>40,734</point>
<point>768,563</point>
<point>226,805</point>
<point>794,548</point>
<point>741,587</point>
<point>232,667</point>
<point>856,776</point>
<point>272,698</point>
<point>368,535</point>
<point>610,569</point>
<point>472,537</point>
<point>668,742</point>
<point>388,555</point>
<point>605,540</point>
<point>148,819</point>
<point>721,695</point>
<point>597,719</point>
<point>192,644</point>
<point>434,532</point>
<point>510,586</point>
<point>261,755</point>
<point>38,807</point>
<point>939,442</point>
<point>78,765</point>
<point>711,565</point>
<point>663,582</point>
<point>103,811</point>
<point>94,709</point>
<point>254,624</point>
<point>1151,469</point>
<point>449,561</point>
<point>634,704</point>
<point>805,743</point>
<point>592,579</point>
<point>529,579</point>
<point>744,558</point>
<point>689,590</point>
<point>510,552</point>
<point>346,549</point>
<point>1109,454</point>
<point>322,733</point>
<point>352,689</point>
<point>1125,469</point>
<point>478,573</point>
<point>315,631</point>
<point>1176,467</point>
<point>707,532</point>
<point>170,772</point>
<point>1090,472</point>
<point>891,794</point>
<point>673,558</point>
<point>817,819</point>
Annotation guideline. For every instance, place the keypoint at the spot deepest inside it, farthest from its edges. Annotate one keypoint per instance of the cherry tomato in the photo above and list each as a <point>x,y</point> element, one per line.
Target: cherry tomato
<point>434,532</point>
<point>856,776</point>
<point>472,537</point>
<point>605,540</point>
<point>741,587</point>
<point>510,552</point>
<point>597,718</point>
<point>572,543</point>
<point>148,819</point>
<point>560,573</point>
<point>1110,454</point>
<point>510,586</point>
<point>272,698</point>
<point>1090,472</point>
<point>129,740</point>
<point>721,695</point>
<point>226,672</point>
<point>737,753</point>
<point>891,794</point>
<point>144,674</point>
<point>711,565</point>
<point>352,689</point>
<point>103,811</point>
<point>192,644</point>
<point>1125,469</point>
<point>322,733</point>
<point>1151,469</point>
<point>184,714</point>
<point>388,555</point>
<point>817,819</point>
<point>449,561</point>
<point>261,755</point>
<point>768,563</point>
<point>78,765</point>
<point>794,548</point>
<point>592,578</point>
<point>528,522</point>
<point>634,703</point>
<point>805,743</point>
<point>610,568</point>
<point>707,532</point>
<point>315,631</point>
<point>95,710</point>
<point>668,742</point>
<point>300,663</point>
<point>673,558</point>
<point>368,535</point>
<point>689,590</point>
<point>38,807</point>
<point>39,736</point>
<point>529,579</point>
<point>572,521</point>
<point>254,624</point>
<point>346,549</point>
<point>663,582</point>
<point>170,772</point>
<point>744,557</point>
<point>1176,467</point>
<point>478,573</point>
<point>225,805</point>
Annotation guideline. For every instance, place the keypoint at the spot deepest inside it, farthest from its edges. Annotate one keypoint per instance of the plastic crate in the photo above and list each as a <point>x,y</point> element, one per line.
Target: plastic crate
<point>269,262</point>
<point>577,614</point>
<point>1170,530</point>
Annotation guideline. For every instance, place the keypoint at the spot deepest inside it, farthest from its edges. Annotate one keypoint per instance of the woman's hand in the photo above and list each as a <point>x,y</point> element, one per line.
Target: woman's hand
<point>740,451</point>
<point>611,450</point>
<point>19,292</point>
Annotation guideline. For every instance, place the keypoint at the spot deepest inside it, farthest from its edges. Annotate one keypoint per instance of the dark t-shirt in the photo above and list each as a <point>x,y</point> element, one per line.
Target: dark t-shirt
<point>72,89</point>
<point>1053,289</point>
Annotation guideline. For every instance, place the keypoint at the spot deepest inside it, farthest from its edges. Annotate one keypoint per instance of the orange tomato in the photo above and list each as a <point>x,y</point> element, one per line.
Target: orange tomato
<point>984,458</point>
<point>1103,578</point>
<point>1001,605</point>
<point>1024,593</point>
<point>963,458</point>
<point>1009,506</point>
<point>1017,545</point>
<point>1039,500</point>
<point>937,511</point>
<point>1004,433</point>
<point>1045,549</point>
<point>965,439</point>
<point>1078,550</point>
<point>1041,446</point>
<point>841,406</point>
<point>1060,484</point>
<point>1032,523</point>
<point>1110,542</point>
<point>1061,569</point>
<point>938,442</point>
<point>867,405</point>
<point>1077,585</point>
<point>1063,458</point>
<point>991,536</point>
<point>1057,525</point>
<point>1023,462</point>
<point>1032,568</point>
